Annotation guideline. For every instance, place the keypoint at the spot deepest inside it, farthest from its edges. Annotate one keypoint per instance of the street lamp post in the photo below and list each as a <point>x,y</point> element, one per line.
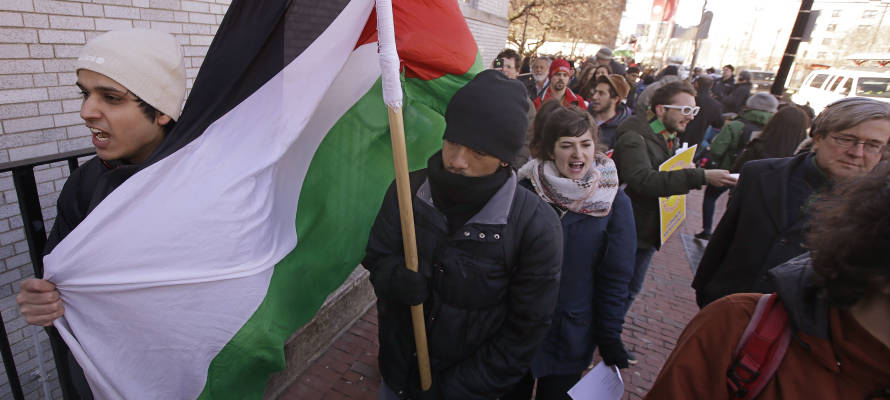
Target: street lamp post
<point>800,26</point>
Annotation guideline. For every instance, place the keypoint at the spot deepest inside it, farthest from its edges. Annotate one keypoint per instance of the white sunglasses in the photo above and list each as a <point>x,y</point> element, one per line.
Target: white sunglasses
<point>685,110</point>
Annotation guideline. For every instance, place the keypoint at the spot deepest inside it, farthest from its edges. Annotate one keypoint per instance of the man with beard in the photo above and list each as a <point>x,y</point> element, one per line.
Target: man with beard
<point>489,256</point>
<point>642,146</point>
<point>607,107</point>
<point>560,72</point>
<point>536,82</point>
<point>709,116</point>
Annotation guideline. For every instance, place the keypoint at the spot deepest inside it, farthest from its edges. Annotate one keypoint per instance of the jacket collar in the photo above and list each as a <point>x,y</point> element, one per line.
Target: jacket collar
<point>494,212</point>
<point>568,98</point>
<point>775,188</point>
<point>657,137</point>
<point>622,114</point>
<point>808,312</point>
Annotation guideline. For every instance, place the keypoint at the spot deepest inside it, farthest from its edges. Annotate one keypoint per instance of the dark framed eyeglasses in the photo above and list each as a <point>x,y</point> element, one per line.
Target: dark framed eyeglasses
<point>868,146</point>
<point>685,110</point>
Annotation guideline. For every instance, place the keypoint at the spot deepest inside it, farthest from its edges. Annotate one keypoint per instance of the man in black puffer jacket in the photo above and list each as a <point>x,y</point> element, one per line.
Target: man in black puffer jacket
<point>489,256</point>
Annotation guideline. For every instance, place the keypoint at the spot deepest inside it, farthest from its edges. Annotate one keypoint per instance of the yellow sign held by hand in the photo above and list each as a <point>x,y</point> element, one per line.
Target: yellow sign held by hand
<point>672,209</point>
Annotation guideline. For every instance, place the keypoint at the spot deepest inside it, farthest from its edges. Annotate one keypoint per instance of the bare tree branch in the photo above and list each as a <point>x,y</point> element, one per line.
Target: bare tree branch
<point>537,21</point>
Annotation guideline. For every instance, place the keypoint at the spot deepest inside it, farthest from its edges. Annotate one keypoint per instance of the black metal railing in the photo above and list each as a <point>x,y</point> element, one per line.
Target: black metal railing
<point>35,234</point>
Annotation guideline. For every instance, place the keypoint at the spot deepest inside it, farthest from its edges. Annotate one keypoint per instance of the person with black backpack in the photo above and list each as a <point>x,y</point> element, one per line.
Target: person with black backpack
<point>780,137</point>
<point>729,144</point>
<point>825,331</point>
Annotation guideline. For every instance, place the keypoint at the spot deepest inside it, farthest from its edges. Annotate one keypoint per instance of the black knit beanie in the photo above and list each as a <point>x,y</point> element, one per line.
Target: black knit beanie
<point>489,115</point>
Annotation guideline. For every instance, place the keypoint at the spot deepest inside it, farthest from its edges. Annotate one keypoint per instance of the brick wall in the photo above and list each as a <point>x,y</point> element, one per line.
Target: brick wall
<point>39,114</point>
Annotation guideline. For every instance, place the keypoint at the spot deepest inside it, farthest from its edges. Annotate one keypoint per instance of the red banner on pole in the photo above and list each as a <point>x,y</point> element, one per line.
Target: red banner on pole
<point>663,10</point>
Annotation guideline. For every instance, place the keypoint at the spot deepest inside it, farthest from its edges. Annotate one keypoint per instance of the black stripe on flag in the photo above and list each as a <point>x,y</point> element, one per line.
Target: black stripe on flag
<point>256,40</point>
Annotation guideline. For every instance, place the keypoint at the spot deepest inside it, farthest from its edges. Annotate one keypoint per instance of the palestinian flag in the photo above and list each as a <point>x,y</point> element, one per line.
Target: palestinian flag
<point>188,277</point>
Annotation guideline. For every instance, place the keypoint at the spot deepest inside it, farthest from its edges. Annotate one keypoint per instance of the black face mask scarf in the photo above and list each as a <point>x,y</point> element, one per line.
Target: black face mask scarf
<point>460,197</point>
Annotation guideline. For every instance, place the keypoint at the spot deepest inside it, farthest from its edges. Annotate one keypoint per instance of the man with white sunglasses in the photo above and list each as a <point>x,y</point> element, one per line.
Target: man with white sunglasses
<point>642,146</point>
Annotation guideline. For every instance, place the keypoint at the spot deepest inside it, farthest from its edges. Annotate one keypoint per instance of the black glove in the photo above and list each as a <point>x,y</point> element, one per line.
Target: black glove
<point>613,353</point>
<point>410,287</point>
<point>434,393</point>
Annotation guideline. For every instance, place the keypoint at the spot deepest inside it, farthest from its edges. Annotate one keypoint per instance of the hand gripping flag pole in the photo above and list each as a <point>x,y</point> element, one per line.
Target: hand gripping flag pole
<point>392,96</point>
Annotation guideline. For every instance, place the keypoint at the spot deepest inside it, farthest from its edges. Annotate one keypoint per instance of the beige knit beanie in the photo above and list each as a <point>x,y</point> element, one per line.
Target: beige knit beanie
<point>146,62</point>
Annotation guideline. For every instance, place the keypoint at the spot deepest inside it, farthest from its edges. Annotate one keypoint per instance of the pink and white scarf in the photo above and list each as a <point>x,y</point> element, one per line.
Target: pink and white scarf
<point>592,195</point>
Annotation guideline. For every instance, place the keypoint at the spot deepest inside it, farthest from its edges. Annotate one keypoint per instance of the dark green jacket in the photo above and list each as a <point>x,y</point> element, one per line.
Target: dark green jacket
<point>729,140</point>
<point>638,153</point>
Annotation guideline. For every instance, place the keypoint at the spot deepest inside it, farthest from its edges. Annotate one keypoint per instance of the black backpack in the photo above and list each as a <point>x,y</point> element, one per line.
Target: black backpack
<point>705,160</point>
<point>739,147</point>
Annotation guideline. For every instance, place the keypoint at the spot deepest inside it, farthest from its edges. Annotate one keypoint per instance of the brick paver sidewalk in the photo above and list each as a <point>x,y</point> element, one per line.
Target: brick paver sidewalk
<point>348,369</point>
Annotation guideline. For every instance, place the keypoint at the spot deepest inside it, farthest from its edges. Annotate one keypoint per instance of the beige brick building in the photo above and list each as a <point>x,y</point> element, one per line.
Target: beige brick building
<point>39,114</point>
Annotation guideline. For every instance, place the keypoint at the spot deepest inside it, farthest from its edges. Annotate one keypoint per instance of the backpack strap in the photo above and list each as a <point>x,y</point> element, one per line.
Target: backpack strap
<point>738,147</point>
<point>760,350</point>
<point>750,127</point>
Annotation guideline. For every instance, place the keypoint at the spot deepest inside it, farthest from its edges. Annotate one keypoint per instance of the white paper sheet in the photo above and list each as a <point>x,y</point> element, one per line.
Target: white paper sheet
<point>601,383</point>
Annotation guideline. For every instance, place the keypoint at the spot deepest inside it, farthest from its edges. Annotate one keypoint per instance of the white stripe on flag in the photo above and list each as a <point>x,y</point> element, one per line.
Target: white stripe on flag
<point>162,273</point>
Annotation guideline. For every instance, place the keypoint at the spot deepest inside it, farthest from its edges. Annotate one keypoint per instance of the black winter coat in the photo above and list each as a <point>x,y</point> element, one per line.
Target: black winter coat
<point>756,233</point>
<point>734,100</point>
<point>493,288</point>
<point>597,265</point>
<point>722,87</point>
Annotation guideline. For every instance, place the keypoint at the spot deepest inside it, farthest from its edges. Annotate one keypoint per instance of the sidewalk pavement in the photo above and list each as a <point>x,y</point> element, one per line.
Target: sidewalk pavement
<point>348,368</point>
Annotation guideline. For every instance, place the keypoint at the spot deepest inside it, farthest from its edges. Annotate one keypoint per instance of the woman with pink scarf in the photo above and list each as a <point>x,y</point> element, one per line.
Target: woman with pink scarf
<point>581,184</point>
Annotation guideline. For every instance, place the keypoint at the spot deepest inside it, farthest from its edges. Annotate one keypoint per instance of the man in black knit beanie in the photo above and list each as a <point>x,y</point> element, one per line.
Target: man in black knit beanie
<point>489,256</point>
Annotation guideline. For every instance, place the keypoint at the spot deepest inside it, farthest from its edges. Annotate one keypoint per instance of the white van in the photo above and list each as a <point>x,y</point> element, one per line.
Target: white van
<point>823,87</point>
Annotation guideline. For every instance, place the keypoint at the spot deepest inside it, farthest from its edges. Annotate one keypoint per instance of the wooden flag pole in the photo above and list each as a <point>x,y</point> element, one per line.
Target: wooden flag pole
<point>392,97</point>
<point>406,215</point>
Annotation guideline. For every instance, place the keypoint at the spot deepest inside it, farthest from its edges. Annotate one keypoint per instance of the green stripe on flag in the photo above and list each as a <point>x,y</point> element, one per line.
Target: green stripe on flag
<point>339,200</point>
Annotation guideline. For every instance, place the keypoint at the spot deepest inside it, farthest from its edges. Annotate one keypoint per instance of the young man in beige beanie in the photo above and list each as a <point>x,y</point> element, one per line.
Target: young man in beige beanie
<point>133,85</point>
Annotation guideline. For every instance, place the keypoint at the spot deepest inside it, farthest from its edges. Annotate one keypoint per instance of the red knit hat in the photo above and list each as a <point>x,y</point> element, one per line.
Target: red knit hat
<point>558,65</point>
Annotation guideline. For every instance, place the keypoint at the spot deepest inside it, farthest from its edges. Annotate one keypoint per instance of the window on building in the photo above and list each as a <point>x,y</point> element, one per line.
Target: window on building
<point>826,42</point>
<point>836,13</point>
<point>869,13</point>
<point>831,27</point>
<point>822,55</point>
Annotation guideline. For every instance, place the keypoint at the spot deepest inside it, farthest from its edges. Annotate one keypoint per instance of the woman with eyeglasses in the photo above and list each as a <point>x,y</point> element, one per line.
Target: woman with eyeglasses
<point>599,240</point>
<point>837,300</point>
